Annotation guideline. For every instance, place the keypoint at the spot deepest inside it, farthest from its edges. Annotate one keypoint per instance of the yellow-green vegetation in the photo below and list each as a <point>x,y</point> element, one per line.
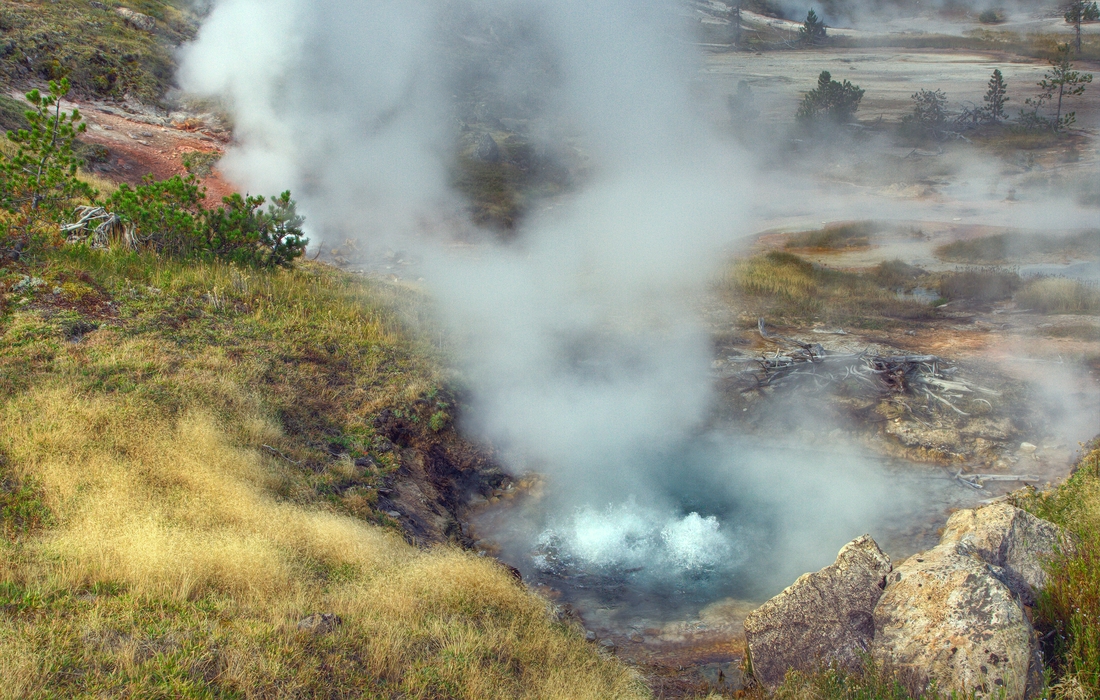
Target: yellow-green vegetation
<point>981,285</point>
<point>501,192</point>
<point>784,287</point>
<point>1003,247</point>
<point>835,236</point>
<point>1069,608</point>
<point>152,546</point>
<point>1009,42</point>
<point>95,47</point>
<point>1058,295</point>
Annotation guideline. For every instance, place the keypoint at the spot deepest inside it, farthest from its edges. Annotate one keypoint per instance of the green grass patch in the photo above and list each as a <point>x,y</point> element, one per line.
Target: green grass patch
<point>835,237</point>
<point>1069,607</point>
<point>785,287</point>
<point>1005,247</point>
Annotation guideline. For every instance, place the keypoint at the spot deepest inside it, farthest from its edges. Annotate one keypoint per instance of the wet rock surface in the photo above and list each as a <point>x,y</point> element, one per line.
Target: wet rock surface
<point>822,618</point>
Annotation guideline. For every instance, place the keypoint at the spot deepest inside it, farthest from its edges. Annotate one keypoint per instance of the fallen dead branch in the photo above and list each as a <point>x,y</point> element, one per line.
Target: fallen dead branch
<point>795,361</point>
<point>977,481</point>
<point>98,228</point>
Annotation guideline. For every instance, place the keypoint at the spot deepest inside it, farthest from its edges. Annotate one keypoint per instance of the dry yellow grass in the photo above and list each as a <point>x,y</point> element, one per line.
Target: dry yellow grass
<point>173,564</point>
<point>1059,295</point>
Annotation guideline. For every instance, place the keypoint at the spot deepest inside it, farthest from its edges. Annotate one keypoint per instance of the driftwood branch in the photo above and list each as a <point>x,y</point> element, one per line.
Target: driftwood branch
<point>271,449</point>
<point>793,360</point>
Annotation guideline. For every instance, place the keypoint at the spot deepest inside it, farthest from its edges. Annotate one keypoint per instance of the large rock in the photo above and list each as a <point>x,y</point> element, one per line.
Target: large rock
<point>1009,538</point>
<point>136,19</point>
<point>487,150</point>
<point>821,618</point>
<point>949,618</point>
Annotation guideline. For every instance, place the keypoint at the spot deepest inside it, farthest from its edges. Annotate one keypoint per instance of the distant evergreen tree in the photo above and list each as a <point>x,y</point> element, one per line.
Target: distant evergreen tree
<point>929,112</point>
<point>829,102</point>
<point>812,31</point>
<point>995,97</point>
<point>1080,11</point>
<point>1061,81</point>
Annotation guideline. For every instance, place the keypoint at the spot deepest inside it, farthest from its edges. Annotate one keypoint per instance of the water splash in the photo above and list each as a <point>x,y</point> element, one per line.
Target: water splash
<point>627,539</point>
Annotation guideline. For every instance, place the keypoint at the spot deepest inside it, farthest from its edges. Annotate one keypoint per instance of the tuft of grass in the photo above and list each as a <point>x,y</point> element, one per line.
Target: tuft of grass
<point>1069,607</point>
<point>870,682</point>
<point>1005,247</point>
<point>1058,295</point>
<point>978,285</point>
<point>835,237</point>
<point>786,287</point>
<point>164,551</point>
<point>896,274</point>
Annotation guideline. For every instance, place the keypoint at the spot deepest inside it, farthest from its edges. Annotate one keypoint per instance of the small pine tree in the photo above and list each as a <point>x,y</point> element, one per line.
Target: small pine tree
<point>1062,81</point>
<point>829,102</point>
<point>995,97</point>
<point>39,182</point>
<point>1080,11</point>
<point>812,31</point>
<point>929,112</point>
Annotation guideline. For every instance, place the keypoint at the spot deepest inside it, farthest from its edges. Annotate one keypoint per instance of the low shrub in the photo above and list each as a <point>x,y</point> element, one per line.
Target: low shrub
<point>836,236</point>
<point>980,285</point>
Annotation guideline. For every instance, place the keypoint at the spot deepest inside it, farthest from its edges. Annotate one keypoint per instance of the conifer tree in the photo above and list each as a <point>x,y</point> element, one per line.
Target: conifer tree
<point>996,97</point>
<point>812,31</point>
<point>1080,11</point>
<point>1061,82</point>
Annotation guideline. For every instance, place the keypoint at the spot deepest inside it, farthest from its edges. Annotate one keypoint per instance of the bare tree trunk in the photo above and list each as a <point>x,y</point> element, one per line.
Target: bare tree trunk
<point>1058,113</point>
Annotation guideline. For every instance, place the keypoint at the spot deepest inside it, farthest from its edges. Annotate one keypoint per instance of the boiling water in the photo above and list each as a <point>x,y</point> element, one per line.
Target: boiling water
<point>717,521</point>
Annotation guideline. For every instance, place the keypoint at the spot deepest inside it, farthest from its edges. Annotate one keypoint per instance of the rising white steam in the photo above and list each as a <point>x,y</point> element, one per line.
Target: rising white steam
<point>580,340</point>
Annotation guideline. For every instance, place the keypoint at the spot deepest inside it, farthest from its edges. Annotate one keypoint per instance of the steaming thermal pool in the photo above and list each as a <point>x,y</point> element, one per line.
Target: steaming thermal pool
<point>716,522</point>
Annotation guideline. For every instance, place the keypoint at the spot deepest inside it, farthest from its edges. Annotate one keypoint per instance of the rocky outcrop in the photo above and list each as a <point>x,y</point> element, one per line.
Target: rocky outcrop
<point>953,616</point>
<point>136,19</point>
<point>1012,539</point>
<point>822,618</point>
<point>950,618</point>
<point>487,150</point>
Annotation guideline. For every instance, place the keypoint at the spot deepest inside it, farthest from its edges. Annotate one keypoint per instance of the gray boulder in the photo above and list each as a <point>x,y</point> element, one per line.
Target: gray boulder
<point>1009,538</point>
<point>487,150</point>
<point>823,617</point>
<point>949,618</point>
<point>136,19</point>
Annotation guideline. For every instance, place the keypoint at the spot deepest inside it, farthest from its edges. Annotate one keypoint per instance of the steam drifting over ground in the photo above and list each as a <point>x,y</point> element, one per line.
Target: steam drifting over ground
<point>579,333</point>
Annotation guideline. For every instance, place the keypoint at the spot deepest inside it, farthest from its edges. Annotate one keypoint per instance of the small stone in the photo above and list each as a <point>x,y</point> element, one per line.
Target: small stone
<point>636,638</point>
<point>320,623</point>
<point>607,645</point>
<point>1027,447</point>
<point>589,636</point>
<point>393,513</point>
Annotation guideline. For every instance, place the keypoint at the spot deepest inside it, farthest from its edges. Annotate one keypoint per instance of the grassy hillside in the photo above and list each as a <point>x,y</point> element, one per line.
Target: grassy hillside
<point>189,466</point>
<point>93,45</point>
